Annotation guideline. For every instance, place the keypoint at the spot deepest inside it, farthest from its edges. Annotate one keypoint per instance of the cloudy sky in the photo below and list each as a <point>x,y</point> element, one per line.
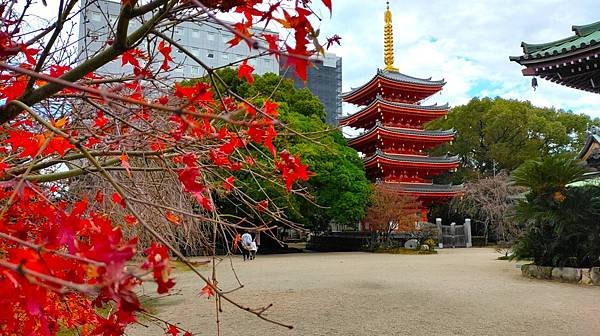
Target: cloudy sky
<point>466,42</point>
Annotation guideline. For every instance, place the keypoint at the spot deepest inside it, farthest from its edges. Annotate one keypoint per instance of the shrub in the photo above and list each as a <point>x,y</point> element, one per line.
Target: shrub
<point>562,226</point>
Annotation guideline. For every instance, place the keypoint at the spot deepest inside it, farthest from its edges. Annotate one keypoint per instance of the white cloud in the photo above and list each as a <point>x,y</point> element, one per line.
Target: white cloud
<point>467,42</point>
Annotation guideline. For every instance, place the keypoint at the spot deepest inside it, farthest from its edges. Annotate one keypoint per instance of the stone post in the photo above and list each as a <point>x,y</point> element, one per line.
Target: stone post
<point>438,222</point>
<point>453,233</point>
<point>468,232</point>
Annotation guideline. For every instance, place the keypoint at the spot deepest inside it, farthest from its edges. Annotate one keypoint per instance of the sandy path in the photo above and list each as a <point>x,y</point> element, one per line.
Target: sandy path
<point>457,292</point>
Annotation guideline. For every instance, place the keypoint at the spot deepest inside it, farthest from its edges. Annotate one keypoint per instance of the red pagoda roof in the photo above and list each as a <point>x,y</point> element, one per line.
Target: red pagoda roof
<point>425,189</point>
<point>414,89</point>
<point>429,112</point>
<point>403,133</point>
<point>439,162</point>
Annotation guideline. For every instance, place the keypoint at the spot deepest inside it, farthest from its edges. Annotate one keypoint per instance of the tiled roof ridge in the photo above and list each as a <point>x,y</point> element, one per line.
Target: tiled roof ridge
<point>400,77</point>
<point>400,130</point>
<point>400,157</point>
<point>585,35</point>
<point>424,187</point>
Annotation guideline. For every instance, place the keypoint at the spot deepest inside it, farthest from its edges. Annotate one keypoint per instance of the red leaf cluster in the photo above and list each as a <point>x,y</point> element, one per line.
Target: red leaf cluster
<point>158,262</point>
<point>245,71</point>
<point>60,258</point>
<point>92,255</point>
<point>292,169</point>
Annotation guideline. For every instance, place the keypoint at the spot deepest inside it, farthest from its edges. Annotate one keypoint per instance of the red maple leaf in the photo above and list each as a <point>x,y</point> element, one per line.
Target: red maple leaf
<point>173,218</point>
<point>166,52</point>
<point>270,108</point>
<point>172,330</point>
<point>130,220</point>
<point>200,92</point>
<point>99,196</point>
<point>297,58</point>
<point>273,41</point>
<point>328,5</point>
<point>236,241</point>
<point>19,139</point>
<point>100,120</point>
<point>262,205</point>
<point>131,56</point>
<point>245,71</point>
<point>118,199</point>
<point>333,39</point>
<point>29,53</point>
<point>229,183</point>
<point>58,145</point>
<point>242,32</point>
<point>14,90</point>
<point>125,163</point>
<point>207,290</point>
<point>158,261</point>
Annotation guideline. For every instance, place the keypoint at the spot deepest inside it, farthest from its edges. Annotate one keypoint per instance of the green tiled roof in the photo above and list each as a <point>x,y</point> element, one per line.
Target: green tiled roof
<point>585,36</point>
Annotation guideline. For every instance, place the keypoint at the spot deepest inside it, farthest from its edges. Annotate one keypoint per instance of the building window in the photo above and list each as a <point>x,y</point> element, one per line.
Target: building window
<point>210,36</point>
<point>178,31</point>
<point>195,33</point>
<point>267,63</point>
<point>210,55</point>
<point>96,17</point>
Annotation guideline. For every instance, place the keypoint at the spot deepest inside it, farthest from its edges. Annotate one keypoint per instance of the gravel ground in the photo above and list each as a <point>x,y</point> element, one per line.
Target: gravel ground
<point>457,292</point>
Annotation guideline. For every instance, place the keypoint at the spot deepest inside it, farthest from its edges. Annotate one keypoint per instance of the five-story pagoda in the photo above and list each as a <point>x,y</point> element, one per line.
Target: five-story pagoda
<point>395,144</point>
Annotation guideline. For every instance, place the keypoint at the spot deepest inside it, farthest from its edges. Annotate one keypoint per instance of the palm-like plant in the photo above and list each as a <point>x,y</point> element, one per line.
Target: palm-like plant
<point>562,222</point>
<point>549,175</point>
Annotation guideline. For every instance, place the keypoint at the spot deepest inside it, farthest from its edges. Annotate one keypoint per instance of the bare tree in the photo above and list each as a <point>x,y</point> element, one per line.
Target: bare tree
<point>85,156</point>
<point>391,211</point>
<point>490,201</point>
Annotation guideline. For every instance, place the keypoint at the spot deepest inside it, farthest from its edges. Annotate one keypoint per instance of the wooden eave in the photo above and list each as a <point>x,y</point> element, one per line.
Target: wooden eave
<point>381,106</point>
<point>401,134</point>
<point>373,87</point>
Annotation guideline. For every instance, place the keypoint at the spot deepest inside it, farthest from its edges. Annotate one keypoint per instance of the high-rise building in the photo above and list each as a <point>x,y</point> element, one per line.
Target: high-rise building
<point>324,80</point>
<point>207,41</point>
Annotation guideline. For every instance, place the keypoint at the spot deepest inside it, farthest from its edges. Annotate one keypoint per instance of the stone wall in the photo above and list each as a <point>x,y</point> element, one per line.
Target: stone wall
<point>584,276</point>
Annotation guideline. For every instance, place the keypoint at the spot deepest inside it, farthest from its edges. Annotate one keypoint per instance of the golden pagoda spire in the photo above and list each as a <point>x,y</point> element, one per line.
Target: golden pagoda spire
<point>388,41</point>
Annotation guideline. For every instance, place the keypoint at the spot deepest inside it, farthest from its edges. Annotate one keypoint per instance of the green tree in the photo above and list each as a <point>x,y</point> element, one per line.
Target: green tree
<point>496,134</point>
<point>339,187</point>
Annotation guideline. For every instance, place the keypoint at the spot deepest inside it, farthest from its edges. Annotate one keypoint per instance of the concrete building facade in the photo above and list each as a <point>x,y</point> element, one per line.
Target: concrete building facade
<point>207,41</point>
<point>324,80</point>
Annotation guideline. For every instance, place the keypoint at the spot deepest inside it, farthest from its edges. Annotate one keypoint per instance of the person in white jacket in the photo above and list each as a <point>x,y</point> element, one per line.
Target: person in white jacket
<point>253,249</point>
<point>246,242</point>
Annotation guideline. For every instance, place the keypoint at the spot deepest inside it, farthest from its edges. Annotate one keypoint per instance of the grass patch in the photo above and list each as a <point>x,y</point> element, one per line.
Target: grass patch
<point>401,250</point>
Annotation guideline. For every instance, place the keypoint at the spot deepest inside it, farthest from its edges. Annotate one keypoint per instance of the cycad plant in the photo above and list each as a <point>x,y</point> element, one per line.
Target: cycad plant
<point>562,222</point>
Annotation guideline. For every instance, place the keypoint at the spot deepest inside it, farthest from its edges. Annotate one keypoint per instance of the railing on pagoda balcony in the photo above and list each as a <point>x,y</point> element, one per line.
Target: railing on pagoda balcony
<point>403,124</point>
<point>405,179</point>
<point>395,150</point>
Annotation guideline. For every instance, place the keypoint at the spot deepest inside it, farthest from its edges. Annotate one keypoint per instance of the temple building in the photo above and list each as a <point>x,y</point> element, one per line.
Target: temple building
<point>395,144</point>
<point>572,61</point>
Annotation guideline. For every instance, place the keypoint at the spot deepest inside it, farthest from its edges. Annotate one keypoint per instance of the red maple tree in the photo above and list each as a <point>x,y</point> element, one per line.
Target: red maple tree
<point>63,254</point>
